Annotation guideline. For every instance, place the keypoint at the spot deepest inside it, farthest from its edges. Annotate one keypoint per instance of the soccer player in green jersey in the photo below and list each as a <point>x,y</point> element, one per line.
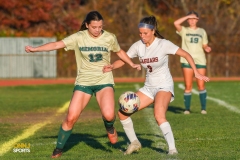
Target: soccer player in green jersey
<point>93,47</point>
<point>195,42</point>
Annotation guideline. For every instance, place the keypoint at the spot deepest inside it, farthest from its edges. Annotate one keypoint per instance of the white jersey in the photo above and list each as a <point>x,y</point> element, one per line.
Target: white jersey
<point>154,59</point>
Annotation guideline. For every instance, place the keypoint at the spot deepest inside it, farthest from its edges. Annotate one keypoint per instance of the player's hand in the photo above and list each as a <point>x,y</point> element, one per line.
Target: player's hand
<point>193,16</point>
<point>137,66</point>
<point>107,68</point>
<point>201,77</point>
<point>207,49</point>
<point>29,49</point>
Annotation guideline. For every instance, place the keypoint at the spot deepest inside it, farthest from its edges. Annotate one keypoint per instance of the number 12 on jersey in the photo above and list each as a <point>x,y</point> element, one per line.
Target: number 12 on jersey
<point>95,57</point>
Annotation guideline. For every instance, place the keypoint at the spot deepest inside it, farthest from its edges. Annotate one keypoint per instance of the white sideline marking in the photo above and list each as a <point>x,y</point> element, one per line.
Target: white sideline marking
<point>218,101</point>
<point>5,147</point>
<point>152,123</point>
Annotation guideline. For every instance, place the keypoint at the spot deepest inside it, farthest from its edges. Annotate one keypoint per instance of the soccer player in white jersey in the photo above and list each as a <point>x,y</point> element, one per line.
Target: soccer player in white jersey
<point>93,47</point>
<point>194,41</point>
<point>152,51</point>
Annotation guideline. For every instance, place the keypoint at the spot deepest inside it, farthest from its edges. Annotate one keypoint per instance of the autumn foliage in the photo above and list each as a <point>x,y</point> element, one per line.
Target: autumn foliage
<point>59,18</point>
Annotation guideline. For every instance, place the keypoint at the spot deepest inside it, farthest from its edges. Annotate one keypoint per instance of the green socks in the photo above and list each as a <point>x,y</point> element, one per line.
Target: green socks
<point>109,125</point>
<point>187,100</point>
<point>203,98</point>
<point>62,137</point>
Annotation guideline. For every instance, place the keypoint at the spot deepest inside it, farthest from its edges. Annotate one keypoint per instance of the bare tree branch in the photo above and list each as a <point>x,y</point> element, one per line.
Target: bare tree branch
<point>185,8</point>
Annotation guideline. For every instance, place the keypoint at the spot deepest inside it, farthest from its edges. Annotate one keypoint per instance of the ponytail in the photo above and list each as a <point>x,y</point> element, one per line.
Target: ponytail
<point>83,26</point>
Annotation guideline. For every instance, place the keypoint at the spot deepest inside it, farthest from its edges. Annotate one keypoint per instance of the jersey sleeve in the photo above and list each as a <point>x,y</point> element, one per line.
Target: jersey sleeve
<point>70,42</point>
<point>183,30</point>
<point>205,39</point>
<point>170,48</point>
<point>115,46</point>
<point>132,51</point>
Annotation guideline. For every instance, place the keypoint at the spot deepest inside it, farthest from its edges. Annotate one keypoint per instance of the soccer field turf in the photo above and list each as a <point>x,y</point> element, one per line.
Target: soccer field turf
<point>31,116</point>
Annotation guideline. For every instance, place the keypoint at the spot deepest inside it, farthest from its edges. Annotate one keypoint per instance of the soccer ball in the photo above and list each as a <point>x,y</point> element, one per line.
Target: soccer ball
<point>129,102</point>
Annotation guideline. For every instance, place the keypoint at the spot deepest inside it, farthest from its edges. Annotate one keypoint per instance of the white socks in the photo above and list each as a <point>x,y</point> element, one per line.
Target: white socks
<point>168,135</point>
<point>165,128</point>
<point>128,128</point>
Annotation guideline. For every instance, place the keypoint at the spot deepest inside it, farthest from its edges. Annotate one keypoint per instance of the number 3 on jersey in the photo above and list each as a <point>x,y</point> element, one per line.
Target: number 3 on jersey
<point>149,68</point>
<point>95,57</point>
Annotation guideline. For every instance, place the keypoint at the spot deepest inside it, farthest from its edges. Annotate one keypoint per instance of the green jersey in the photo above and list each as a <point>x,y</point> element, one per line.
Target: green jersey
<point>91,55</point>
<point>192,42</point>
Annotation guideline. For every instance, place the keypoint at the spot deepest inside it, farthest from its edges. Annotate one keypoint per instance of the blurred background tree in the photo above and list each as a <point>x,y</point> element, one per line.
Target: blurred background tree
<point>50,18</point>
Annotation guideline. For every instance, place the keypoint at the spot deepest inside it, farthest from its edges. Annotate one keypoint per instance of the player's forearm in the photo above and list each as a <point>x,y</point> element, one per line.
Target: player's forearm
<point>49,46</point>
<point>118,64</point>
<point>190,60</point>
<point>179,21</point>
<point>188,57</point>
<point>121,54</point>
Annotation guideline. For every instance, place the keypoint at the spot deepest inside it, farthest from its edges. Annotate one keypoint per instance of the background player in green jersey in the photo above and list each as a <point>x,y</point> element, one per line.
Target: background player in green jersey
<point>195,42</point>
<point>93,47</point>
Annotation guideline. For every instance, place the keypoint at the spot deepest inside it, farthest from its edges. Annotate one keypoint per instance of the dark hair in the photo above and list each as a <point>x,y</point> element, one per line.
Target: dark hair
<point>152,21</point>
<point>193,12</point>
<point>91,16</point>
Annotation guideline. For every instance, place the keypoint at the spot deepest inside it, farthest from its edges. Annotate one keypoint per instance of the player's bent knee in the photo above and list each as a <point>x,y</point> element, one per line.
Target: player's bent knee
<point>70,121</point>
<point>109,116</point>
<point>109,123</point>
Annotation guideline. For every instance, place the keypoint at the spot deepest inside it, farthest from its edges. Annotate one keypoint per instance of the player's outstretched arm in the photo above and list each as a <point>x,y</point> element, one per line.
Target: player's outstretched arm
<point>189,58</point>
<point>117,64</point>
<point>46,47</point>
<point>122,54</point>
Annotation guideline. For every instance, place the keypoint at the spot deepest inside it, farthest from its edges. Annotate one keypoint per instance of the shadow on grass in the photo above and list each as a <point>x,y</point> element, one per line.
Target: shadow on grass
<point>93,142</point>
<point>88,139</point>
<point>146,143</point>
<point>174,109</point>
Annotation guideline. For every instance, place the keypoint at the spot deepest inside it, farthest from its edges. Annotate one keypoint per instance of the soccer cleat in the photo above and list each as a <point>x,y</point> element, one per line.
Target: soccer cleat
<point>113,137</point>
<point>186,112</point>
<point>133,147</point>
<point>57,153</point>
<point>172,152</point>
<point>204,112</point>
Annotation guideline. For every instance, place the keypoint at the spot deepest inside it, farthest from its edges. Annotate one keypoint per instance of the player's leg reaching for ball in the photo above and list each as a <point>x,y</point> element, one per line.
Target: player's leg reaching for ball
<point>128,127</point>
<point>162,100</point>
<point>135,145</point>
<point>105,98</point>
<point>77,104</point>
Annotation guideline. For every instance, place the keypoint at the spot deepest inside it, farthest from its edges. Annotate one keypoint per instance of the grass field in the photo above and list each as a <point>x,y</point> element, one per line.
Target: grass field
<point>30,115</point>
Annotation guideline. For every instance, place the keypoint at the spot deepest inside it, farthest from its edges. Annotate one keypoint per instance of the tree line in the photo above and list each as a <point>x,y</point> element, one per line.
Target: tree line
<point>50,18</point>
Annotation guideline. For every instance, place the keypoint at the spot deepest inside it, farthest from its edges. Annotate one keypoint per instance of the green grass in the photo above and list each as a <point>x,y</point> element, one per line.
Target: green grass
<point>212,136</point>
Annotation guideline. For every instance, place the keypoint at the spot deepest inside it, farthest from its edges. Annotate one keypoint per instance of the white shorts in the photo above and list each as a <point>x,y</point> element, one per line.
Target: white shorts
<point>151,92</point>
